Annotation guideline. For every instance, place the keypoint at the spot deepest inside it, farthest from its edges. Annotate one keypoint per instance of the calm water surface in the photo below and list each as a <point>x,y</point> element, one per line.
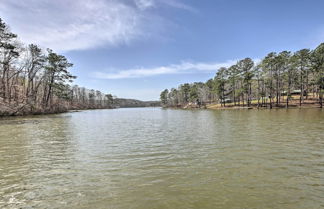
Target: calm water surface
<point>152,158</point>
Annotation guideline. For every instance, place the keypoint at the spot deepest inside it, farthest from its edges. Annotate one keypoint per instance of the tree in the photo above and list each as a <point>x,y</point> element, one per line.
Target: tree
<point>276,76</point>
<point>210,84</point>
<point>30,81</point>
<point>220,81</point>
<point>318,65</point>
<point>185,90</point>
<point>193,93</point>
<point>233,77</point>
<point>284,64</point>
<point>302,59</point>
<point>164,97</point>
<point>56,75</point>
<point>36,61</point>
<point>109,100</point>
<point>174,97</point>
<point>260,81</point>
<point>246,66</point>
<point>268,65</point>
<point>8,53</point>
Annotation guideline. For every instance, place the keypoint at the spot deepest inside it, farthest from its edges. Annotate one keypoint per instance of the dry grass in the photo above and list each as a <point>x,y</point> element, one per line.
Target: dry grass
<point>311,102</point>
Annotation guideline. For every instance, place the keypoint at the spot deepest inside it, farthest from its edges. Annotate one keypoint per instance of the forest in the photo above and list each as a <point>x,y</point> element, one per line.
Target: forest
<point>284,79</point>
<point>35,81</point>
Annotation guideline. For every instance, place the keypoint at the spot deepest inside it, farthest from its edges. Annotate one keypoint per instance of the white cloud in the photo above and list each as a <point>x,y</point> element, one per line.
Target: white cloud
<point>171,69</point>
<point>144,4</point>
<point>179,5</point>
<point>65,25</point>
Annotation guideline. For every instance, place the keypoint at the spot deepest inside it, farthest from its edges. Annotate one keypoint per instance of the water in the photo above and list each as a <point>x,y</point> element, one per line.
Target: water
<point>154,158</point>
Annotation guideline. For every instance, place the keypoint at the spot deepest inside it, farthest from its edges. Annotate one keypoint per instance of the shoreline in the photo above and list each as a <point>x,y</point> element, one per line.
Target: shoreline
<point>24,110</point>
<point>293,104</point>
<point>308,104</point>
<point>2,116</point>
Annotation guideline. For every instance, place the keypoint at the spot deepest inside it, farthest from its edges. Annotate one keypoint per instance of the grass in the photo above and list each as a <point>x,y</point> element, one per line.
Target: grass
<point>293,102</point>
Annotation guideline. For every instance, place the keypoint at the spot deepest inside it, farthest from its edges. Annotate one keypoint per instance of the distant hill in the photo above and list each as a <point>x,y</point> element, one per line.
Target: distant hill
<point>121,102</point>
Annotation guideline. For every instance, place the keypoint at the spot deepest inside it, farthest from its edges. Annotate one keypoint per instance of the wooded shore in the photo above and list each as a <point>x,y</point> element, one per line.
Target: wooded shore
<point>311,102</point>
<point>33,82</point>
<point>25,109</point>
<point>294,103</point>
<point>280,80</point>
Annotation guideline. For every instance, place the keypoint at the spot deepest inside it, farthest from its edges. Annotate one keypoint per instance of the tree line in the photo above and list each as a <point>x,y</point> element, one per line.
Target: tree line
<point>36,81</point>
<point>279,80</point>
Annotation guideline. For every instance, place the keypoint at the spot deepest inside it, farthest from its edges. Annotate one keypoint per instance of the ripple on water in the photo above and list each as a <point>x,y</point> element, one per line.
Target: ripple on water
<point>155,158</point>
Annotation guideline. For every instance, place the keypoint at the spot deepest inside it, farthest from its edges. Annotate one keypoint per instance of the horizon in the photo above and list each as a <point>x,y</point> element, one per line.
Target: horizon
<point>135,49</point>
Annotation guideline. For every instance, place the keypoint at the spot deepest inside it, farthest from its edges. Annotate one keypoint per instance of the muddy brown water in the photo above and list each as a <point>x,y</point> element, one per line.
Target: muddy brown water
<point>155,158</point>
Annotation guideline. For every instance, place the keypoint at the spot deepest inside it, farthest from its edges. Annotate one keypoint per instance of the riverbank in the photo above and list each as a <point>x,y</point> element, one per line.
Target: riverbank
<point>293,103</point>
<point>26,110</point>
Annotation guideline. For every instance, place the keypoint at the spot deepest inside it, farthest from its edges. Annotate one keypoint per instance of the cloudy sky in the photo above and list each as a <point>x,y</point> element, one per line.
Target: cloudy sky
<point>137,48</point>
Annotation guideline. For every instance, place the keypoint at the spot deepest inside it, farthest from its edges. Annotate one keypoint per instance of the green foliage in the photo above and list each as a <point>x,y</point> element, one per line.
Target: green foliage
<point>164,96</point>
<point>220,81</point>
<point>275,76</point>
<point>185,90</point>
<point>318,64</point>
<point>193,93</point>
<point>6,40</point>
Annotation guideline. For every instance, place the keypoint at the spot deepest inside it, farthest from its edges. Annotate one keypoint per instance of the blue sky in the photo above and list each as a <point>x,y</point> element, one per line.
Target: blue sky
<point>137,48</point>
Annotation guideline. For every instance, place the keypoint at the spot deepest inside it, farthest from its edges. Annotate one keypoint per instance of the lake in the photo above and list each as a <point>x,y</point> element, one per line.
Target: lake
<point>152,158</point>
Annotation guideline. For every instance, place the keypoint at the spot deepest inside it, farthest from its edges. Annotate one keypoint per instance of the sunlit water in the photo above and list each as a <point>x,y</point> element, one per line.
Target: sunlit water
<point>172,159</point>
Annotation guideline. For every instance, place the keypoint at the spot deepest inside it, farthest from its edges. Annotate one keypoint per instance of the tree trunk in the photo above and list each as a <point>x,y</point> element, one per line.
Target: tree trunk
<point>223,98</point>
<point>258,93</point>
<point>50,90</point>
<point>321,98</point>
<point>301,85</point>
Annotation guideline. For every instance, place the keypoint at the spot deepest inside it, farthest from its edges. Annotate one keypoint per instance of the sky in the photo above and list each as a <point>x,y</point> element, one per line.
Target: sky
<point>137,48</point>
